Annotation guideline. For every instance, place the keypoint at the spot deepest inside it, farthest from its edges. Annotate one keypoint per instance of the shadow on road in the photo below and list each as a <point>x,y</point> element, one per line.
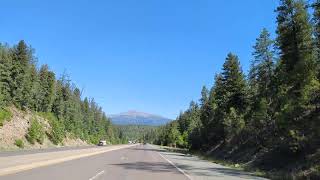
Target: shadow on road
<point>148,166</point>
<point>191,164</point>
<point>166,167</point>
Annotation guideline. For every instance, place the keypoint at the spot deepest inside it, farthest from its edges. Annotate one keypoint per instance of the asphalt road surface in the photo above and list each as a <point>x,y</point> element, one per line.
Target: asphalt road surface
<point>137,163</point>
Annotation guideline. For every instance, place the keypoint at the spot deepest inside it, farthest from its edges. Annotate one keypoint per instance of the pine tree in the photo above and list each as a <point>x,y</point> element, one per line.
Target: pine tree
<point>262,66</point>
<point>204,114</point>
<point>36,92</point>
<point>21,84</point>
<point>295,72</point>
<point>204,96</point>
<point>316,6</point>
<point>205,109</point>
<point>216,111</point>
<point>77,115</point>
<point>189,119</point>
<point>260,80</point>
<point>47,84</point>
<point>193,116</point>
<point>232,98</point>
<point>228,94</point>
<point>315,87</point>
<point>234,84</point>
<point>295,43</point>
<point>173,134</point>
<point>58,106</point>
<point>193,135</point>
<point>218,92</point>
<point>5,75</point>
<point>233,123</point>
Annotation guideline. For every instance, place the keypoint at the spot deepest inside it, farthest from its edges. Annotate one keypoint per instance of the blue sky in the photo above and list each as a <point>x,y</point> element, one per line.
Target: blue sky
<point>146,55</point>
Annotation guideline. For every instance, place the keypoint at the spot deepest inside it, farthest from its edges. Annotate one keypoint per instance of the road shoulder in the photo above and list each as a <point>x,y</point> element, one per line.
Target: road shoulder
<point>198,169</point>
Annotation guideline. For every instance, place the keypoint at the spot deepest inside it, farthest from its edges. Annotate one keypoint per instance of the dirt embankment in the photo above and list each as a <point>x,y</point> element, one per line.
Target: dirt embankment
<point>16,128</point>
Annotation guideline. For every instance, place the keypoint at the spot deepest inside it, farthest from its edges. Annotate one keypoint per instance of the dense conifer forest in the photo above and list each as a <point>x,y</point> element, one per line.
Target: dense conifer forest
<point>28,87</point>
<point>269,118</point>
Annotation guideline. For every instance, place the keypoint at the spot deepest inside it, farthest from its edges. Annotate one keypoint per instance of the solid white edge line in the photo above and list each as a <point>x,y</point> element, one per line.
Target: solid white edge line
<point>97,175</point>
<point>180,170</point>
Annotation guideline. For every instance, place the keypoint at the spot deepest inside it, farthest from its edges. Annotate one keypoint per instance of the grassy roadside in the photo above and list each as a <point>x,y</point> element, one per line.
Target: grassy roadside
<point>276,175</point>
<point>242,167</point>
<point>5,115</point>
<point>208,158</point>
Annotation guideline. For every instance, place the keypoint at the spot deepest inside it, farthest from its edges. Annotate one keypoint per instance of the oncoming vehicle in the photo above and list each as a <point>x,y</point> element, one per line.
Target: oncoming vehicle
<point>102,143</point>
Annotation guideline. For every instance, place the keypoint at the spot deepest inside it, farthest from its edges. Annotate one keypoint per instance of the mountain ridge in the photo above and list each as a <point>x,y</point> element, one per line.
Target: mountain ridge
<point>133,117</point>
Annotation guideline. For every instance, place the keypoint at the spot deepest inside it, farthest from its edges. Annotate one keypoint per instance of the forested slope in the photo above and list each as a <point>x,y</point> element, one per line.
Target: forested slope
<point>269,119</point>
<point>37,91</point>
<point>138,133</point>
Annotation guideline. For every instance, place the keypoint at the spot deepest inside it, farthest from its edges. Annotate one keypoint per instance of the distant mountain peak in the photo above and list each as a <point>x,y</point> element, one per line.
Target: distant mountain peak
<point>133,117</point>
<point>136,113</point>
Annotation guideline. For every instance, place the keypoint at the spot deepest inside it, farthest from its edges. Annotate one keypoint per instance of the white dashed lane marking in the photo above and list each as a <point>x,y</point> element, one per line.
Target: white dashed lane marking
<point>97,175</point>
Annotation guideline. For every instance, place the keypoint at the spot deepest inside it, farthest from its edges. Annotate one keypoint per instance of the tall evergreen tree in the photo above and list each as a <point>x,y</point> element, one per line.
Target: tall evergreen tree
<point>262,66</point>
<point>296,70</point>
<point>315,95</point>
<point>194,130</point>
<point>316,6</point>
<point>194,118</point>
<point>260,80</point>
<point>47,84</point>
<point>234,84</point>
<point>228,101</point>
<point>217,111</point>
<point>36,92</point>
<point>204,114</point>
<point>296,46</point>
<point>58,103</point>
<point>5,74</point>
<point>234,93</point>
<point>205,109</point>
<point>21,83</point>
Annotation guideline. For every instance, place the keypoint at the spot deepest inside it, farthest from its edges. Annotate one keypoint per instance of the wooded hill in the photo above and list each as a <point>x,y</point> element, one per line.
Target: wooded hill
<point>138,133</point>
<point>269,119</point>
<point>29,88</point>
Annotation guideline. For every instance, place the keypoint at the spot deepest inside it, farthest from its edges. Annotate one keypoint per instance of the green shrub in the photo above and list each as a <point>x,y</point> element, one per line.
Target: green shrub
<point>94,139</point>
<point>57,133</point>
<point>4,116</point>
<point>19,143</point>
<point>35,132</point>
